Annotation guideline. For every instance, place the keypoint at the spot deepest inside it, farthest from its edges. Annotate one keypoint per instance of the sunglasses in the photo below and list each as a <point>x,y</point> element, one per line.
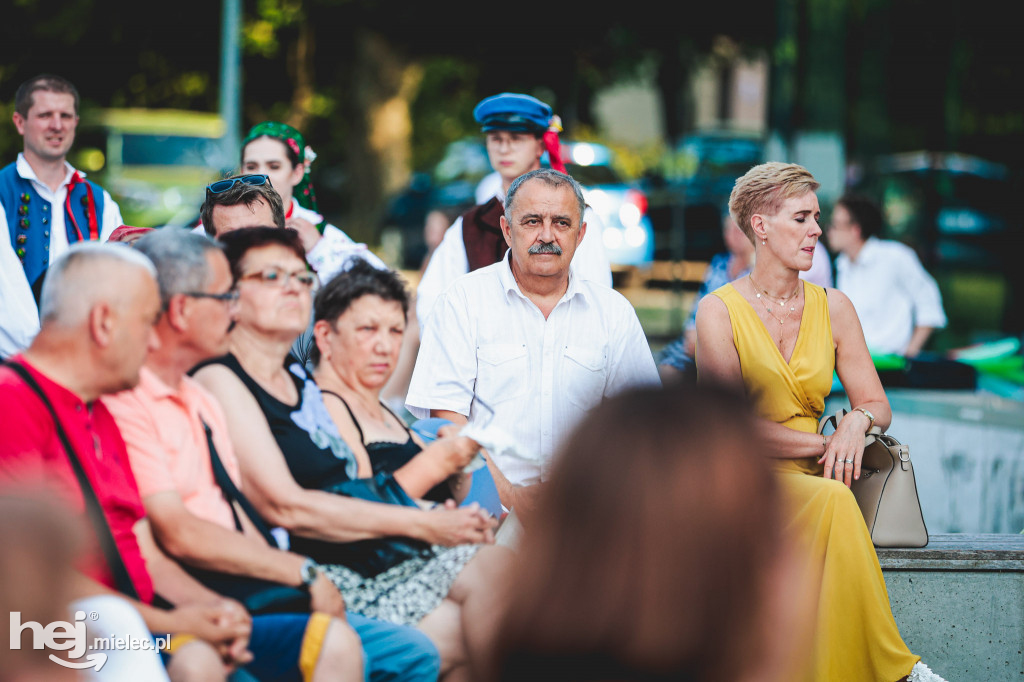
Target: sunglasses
<point>225,185</point>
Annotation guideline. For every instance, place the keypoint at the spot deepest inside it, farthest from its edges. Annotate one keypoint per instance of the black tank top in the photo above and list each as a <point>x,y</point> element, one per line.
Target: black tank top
<point>317,456</point>
<point>389,457</point>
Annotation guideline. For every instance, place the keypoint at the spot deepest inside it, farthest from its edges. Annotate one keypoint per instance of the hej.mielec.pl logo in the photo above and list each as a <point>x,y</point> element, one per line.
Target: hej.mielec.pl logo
<point>73,638</point>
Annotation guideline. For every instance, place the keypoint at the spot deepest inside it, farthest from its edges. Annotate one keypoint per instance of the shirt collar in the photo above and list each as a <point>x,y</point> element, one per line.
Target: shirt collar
<point>28,173</point>
<point>510,286</point>
<point>155,388</point>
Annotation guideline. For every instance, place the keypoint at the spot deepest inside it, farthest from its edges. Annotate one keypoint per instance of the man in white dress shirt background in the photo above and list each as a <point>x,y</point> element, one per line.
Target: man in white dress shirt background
<point>897,301</point>
<point>529,338</point>
<point>45,204</point>
<point>514,125</point>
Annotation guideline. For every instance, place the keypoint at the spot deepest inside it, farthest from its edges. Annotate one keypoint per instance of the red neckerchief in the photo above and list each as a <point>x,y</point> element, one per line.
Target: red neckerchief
<point>94,230</point>
<point>291,209</point>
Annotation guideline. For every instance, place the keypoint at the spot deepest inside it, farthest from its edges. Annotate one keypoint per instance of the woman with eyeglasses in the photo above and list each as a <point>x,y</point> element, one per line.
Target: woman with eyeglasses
<point>279,151</point>
<point>392,561</point>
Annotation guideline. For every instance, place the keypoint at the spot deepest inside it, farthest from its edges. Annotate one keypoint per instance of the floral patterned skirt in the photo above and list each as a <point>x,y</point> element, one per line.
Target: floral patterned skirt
<point>404,594</point>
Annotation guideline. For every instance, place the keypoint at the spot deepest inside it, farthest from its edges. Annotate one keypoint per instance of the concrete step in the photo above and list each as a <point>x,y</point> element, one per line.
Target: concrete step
<point>959,604</point>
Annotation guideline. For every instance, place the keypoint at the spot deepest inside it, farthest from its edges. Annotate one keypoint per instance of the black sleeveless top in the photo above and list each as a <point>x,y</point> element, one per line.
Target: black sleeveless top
<point>389,457</point>
<point>316,455</point>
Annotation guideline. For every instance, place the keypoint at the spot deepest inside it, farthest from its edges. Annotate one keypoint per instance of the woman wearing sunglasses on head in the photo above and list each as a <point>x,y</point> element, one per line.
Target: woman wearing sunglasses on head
<point>279,151</point>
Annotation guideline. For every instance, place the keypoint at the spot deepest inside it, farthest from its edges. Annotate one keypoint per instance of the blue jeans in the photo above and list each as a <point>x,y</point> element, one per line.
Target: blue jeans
<point>392,653</point>
<point>395,653</point>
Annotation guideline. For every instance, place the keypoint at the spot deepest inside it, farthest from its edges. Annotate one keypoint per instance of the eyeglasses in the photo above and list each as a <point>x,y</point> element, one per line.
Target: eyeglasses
<point>280,278</point>
<point>225,185</point>
<point>226,297</point>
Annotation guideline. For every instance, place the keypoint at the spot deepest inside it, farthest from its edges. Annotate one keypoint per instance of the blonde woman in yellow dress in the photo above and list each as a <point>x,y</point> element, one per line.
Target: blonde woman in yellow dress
<point>780,339</point>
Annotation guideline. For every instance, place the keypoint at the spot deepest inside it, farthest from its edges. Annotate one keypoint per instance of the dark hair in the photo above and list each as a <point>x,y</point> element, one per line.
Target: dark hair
<point>864,212</point>
<point>237,243</point>
<point>293,156</point>
<point>654,561</point>
<point>362,279</point>
<point>241,193</point>
<point>23,99</point>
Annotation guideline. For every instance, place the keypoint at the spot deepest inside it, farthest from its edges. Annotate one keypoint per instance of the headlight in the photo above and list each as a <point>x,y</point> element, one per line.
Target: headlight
<point>629,215</point>
<point>612,237</point>
<point>598,200</point>
<point>635,236</point>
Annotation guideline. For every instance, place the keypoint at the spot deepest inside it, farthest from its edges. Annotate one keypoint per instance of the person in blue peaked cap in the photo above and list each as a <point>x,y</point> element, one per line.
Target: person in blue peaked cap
<point>518,130</point>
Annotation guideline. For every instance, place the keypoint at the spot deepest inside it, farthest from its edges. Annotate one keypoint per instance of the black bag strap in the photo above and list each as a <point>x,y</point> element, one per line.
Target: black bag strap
<point>233,495</point>
<point>122,580</point>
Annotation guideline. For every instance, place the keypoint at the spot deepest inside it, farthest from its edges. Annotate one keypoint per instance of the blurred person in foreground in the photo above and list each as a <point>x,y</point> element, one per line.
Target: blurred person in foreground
<point>172,427</point>
<point>518,129</point>
<point>898,302</point>
<point>99,305</point>
<point>41,543</point>
<point>666,563</point>
<point>302,476</point>
<point>530,338</point>
<point>45,204</point>
<point>779,339</point>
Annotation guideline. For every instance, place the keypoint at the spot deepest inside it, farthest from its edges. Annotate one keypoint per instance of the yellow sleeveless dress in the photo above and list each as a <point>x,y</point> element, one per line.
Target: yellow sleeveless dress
<point>856,637</point>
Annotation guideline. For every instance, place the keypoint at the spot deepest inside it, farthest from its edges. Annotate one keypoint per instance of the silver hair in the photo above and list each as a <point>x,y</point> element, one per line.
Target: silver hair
<point>81,276</point>
<point>180,260</point>
<point>552,178</point>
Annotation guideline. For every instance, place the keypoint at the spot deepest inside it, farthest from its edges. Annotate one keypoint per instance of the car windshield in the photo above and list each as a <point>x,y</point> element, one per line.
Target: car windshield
<point>169,150</point>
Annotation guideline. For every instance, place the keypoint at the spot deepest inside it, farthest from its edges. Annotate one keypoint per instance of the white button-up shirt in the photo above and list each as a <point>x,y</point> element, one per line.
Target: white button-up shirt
<point>449,261</point>
<point>19,316</point>
<point>891,292</point>
<point>541,376</point>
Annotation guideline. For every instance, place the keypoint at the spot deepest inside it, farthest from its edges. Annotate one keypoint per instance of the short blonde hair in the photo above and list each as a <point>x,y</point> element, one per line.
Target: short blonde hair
<point>764,188</point>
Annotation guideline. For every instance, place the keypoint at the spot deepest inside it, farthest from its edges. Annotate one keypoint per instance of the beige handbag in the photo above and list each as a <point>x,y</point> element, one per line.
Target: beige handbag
<point>886,491</point>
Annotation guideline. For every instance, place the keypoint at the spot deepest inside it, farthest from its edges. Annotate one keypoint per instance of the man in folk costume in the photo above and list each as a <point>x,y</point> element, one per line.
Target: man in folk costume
<point>519,129</point>
<point>45,204</point>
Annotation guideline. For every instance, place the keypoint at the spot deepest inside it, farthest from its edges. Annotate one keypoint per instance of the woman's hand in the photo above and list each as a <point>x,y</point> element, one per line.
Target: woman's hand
<point>453,454</point>
<point>844,449</point>
<point>451,526</point>
<point>307,231</point>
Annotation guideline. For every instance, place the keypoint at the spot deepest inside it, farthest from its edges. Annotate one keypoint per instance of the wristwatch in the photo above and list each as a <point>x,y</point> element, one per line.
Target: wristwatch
<point>309,572</point>
<point>871,417</point>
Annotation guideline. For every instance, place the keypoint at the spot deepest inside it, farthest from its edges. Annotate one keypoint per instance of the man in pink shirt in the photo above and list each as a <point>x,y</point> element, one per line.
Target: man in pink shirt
<point>186,470</point>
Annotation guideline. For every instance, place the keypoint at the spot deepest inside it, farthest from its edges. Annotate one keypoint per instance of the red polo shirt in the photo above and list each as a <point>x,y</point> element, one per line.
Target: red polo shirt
<point>31,454</point>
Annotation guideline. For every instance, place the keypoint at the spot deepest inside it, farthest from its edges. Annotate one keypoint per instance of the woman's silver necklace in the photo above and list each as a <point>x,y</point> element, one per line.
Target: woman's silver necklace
<point>781,301</point>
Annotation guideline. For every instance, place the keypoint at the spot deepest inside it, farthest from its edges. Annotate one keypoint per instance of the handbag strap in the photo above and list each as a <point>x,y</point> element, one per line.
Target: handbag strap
<point>122,579</point>
<point>233,495</point>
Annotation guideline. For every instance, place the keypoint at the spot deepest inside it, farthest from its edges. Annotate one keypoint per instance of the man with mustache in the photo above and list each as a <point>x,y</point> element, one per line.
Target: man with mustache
<point>529,338</point>
<point>45,204</point>
<point>519,129</point>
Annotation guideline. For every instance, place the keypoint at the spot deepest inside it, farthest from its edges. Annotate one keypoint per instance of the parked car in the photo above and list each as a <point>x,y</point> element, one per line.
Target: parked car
<point>690,191</point>
<point>957,211</point>
<point>154,162</point>
<point>628,235</point>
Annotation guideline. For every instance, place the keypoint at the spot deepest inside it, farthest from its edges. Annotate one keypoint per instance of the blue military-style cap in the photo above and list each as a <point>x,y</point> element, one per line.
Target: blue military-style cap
<point>512,111</point>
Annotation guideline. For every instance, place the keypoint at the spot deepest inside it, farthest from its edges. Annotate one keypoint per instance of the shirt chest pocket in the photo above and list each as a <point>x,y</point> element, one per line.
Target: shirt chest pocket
<point>584,373</point>
<point>503,371</point>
